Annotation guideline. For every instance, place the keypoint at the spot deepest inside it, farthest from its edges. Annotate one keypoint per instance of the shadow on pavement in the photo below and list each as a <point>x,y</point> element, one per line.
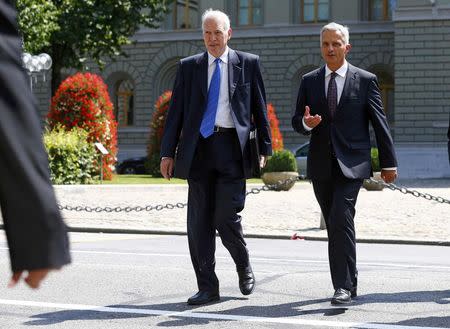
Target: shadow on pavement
<point>438,297</point>
<point>431,321</point>
<point>276,311</point>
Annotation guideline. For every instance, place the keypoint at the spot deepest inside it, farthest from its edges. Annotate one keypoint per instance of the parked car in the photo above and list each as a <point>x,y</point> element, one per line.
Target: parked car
<point>132,166</point>
<point>301,154</point>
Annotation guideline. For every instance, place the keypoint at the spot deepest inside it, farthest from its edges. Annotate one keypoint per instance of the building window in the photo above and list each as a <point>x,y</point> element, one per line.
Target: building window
<point>387,96</point>
<point>381,10</point>
<point>386,83</point>
<point>249,12</point>
<point>165,76</point>
<point>124,102</point>
<point>313,11</point>
<point>184,15</point>
<point>295,83</point>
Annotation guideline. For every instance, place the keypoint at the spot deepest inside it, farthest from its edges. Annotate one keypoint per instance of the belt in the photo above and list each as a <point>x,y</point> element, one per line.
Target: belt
<point>218,129</point>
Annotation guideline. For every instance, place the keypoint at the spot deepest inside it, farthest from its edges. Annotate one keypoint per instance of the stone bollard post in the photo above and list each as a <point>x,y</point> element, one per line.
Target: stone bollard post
<point>322,222</point>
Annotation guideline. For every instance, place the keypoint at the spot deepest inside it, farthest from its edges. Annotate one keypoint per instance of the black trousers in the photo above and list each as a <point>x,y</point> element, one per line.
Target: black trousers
<point>216,196</point>
<point>337,199</point>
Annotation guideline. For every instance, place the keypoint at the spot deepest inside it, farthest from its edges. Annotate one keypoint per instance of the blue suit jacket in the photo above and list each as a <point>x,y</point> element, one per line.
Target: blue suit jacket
<point>348,133</point>
<point>188,103</point>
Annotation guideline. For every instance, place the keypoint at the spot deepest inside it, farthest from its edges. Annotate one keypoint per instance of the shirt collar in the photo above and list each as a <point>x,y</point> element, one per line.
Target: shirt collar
<point>342,71</point>
<point>223,57</point>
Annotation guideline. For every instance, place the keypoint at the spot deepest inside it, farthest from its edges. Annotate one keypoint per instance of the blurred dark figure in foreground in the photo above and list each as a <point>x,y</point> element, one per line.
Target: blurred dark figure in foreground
<point>36,234</point>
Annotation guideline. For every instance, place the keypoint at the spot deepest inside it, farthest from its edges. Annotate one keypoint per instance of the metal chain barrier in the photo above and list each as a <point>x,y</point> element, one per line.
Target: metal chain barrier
<point>255,190</point>
<point>415,193</point>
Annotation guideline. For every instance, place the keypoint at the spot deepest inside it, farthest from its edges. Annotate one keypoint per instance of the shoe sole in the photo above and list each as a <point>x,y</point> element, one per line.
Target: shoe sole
<point>210,300</point>
<point>340,302</point>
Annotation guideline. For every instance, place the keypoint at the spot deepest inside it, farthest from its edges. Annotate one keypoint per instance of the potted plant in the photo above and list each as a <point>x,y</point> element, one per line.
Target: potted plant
<point>375,162</point>
<point>281,166</point>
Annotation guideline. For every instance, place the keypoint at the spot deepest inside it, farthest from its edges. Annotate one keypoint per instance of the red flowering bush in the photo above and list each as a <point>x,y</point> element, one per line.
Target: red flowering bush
<point>277,138</point>
<point>156,132</point>
<point>82,100</point>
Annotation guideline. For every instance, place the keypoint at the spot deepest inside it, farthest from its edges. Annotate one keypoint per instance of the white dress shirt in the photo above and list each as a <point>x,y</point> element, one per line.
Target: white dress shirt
<point>340,79</point>
<point>340,82</point>
<point>223,115</point>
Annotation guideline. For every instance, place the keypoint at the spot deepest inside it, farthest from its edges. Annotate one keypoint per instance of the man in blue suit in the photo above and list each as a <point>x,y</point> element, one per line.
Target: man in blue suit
<point>218,95</point>
<point>334,106</point>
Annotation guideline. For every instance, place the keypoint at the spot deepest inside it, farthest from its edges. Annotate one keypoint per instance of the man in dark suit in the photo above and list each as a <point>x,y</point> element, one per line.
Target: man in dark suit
<point>216,98</point>
<point>334,106</point>
<point>36,234</point>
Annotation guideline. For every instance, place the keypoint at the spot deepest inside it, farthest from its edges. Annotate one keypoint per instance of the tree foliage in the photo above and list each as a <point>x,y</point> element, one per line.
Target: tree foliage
<point>71,31</point>
<point>38,20</point>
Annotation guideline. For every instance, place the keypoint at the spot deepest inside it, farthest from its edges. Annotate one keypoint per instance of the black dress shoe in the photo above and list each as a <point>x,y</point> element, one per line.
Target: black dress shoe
<point>354,292</point>
<point>341,296</point>
<point>246,282</point>
<point>203,297</point>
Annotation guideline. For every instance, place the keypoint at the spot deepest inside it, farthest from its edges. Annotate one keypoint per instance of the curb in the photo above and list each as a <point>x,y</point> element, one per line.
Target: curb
<point>250,235</point>
<point>254,236</point>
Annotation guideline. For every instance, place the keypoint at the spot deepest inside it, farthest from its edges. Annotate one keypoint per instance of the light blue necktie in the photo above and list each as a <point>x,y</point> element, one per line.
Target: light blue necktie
<point>209,117</point>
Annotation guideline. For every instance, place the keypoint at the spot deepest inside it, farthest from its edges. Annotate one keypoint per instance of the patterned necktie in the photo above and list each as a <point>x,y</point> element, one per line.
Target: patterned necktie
<point>209,117</point>
<point>332,95</point>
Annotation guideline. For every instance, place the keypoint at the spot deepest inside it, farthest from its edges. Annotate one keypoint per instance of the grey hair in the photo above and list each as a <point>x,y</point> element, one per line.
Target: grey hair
<point>217,15</point>
<point>336,27</point>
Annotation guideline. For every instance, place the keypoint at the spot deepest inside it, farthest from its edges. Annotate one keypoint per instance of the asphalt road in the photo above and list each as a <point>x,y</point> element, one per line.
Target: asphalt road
<point>140,281</point>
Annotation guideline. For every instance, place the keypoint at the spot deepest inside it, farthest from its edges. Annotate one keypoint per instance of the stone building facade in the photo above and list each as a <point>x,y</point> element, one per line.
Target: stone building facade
<point>406,43</point>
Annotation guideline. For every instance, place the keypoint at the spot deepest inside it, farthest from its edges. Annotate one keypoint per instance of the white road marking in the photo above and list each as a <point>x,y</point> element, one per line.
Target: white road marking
<point>259,259</point>
<point>274,260</point>
<point>213,316</point>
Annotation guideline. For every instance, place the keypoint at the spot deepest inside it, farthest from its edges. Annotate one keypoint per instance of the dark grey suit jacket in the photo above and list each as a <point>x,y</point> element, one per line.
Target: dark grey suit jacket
<point>34,228</point>
<point>348,132</point>
<point>188,103</point>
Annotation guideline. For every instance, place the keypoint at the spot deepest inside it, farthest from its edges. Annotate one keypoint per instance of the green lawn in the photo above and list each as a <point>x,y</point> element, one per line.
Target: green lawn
<point>147,179</point>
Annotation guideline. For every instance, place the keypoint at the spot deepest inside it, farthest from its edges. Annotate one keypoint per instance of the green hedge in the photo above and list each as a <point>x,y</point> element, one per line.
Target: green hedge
<point>375,161</point>
<point>283,160</point>
<point>71,158</point>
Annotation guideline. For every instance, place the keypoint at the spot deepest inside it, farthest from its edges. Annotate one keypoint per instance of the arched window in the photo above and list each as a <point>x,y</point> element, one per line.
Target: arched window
<point>165,77</point>
<point>386,83</point>
<point>124,102</point>
<point>296,82</point>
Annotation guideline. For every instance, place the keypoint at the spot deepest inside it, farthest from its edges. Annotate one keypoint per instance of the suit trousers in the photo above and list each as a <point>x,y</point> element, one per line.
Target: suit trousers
<point>337,199</point>
<point>216,196</point>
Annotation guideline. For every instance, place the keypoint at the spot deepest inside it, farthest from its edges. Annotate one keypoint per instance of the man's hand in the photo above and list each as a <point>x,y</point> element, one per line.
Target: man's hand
<point>311,121</point>
<point>33,279</point>
<point>166,167</point>
<point>389,176</point>
<point>262,161</point>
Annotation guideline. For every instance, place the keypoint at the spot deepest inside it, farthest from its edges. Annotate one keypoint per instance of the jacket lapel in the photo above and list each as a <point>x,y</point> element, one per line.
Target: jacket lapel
<point>349,85</point>
<point>202,73</point>
<point>321,85</point>
<point>234,72</point>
